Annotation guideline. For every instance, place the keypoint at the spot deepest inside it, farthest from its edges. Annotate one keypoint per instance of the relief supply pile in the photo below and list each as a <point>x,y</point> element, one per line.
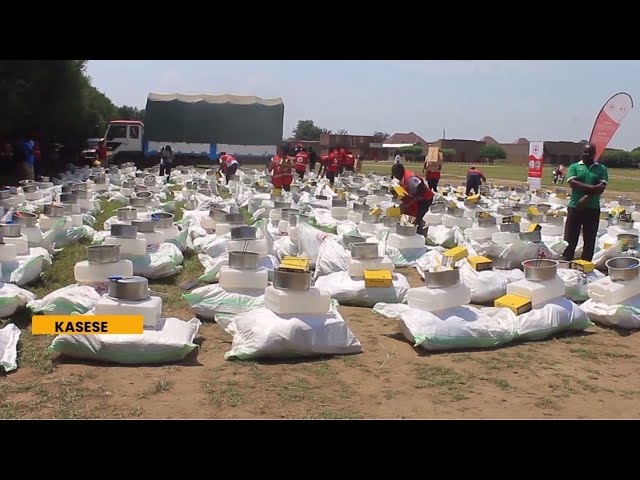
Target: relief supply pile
<point>163,339</point>
<point>369,278</point>
<point>298,320</point>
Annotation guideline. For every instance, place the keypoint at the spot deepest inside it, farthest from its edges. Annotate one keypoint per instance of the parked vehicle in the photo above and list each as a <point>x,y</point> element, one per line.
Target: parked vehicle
<point>90,153</point>
<point>198,127</point>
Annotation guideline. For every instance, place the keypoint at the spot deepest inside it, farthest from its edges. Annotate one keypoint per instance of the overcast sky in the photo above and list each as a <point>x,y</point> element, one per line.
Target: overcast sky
<point>538,100</point>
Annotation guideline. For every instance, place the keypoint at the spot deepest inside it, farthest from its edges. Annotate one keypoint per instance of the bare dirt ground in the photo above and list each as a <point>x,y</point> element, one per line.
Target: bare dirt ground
<point>590,375</point>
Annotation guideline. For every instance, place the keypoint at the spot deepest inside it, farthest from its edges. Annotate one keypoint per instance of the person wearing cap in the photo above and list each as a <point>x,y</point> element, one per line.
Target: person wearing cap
<point>420,197</point>
<point>588,180</point>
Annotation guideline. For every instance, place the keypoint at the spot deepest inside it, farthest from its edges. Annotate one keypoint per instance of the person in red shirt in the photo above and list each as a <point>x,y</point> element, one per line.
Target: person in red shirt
<point>420,197</point>
<point>324,162</point>
<point>333,166</point>
<point>228,165</point>
<point>342,159</point>
<point>474,180</point>
<point>101,150</point>
<point>281,166</point>
<point>301,161</point>
<point>350,162</point>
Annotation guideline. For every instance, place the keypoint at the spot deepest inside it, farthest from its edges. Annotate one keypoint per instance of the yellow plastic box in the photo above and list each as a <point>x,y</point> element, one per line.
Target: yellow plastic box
<point>479,263</point>
<point>296,264</point>
<point>456,253</point>
<point>378,279</point>
<point>583,266</point>
<point>515,303</point>
<point>393,212</point>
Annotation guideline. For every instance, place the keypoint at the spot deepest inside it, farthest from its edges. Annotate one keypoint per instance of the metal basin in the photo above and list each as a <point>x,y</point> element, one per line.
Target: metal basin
<point>99,179</point>
<point>625,224</point>
<point>540,270</point>
<point>442,279</point>
<point>368,218</point>
<point>26,219</point>
<point>505,211</point>
<point>149,180</point>
<point>337,202</point>
<point>12,190</point>
<point>145,195</point>
<point>11,230</point>
<point>625,201</point>
<point>53,211</point>
<point>25,182</point>
<point>389,221</point>
<point>113,170</point>
<point>535,237</point>
<point>287,213</point>
<point>543,208</point>
<point>504,189</point>
<point>217,214</point>
<point>144,226</point>
<point>119,230</point>
<point>103,253</point>
<point>81,194</point>
<point>538,218</point>
<point>509,227</point>
<point>138,202</point>
<point>438,207</point>
<point>364,251</point>
<point>127,213</point>
<point>623,268</point>
<point>129,288</point>
<point>360,207</point>
<point>296,281</point>
<point>243,233</point>
<point>407,230</point>
<point>486,222</point>
<point>234,219</point>
<point>349,240</point>
<point>244,260</point>
<point>30,188</point>
<point>520,190</point>
<point>628,240</point>
<point>555,220</point>
<point>162,220</point>
<point>68,198</point>
<point>455,212</point>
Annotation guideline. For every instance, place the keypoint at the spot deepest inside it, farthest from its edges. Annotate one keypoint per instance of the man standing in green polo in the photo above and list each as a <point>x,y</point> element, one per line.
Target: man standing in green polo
<point>587,180</point>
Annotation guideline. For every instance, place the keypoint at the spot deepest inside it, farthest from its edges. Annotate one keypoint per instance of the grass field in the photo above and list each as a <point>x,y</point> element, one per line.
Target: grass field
<point>590,374</point>
<point>495,173</point>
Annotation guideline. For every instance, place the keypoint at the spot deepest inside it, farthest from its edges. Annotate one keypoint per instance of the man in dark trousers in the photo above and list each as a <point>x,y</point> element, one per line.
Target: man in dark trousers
<point>474,180</point>
<point>587,179</point>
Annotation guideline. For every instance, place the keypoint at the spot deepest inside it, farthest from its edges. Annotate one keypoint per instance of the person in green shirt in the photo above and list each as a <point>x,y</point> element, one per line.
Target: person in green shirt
<point>587,179</point>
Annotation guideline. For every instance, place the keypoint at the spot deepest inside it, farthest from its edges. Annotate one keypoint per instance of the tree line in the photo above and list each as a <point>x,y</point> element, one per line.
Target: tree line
<point>54,101</point>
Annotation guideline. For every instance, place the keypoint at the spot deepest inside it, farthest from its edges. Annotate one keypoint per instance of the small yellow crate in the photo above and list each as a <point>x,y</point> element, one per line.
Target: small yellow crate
<point>399,192</point>
<point>393,212</point>
<point>456,254</point>
<point>533,211</point>
<point>515,303</point>
<point>583,266</point>
<point>473,198</point>
<point>378,279</point>
<point>479,263</point>
<point>277,191</point>
<point>295,264</point>
<point>534,227</point>
<point>376,211</point>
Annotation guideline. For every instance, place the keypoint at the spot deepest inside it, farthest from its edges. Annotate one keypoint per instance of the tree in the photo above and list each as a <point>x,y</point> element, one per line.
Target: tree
<point>617,158</point>
<point>380,137</point>
<point>493,152</point>
<point>342,132</point>
<point>307,130</point>
<point>130,113</point>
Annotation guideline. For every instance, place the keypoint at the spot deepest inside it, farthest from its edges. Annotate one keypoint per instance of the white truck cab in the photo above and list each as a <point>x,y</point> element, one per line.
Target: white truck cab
<point>125,137</point>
